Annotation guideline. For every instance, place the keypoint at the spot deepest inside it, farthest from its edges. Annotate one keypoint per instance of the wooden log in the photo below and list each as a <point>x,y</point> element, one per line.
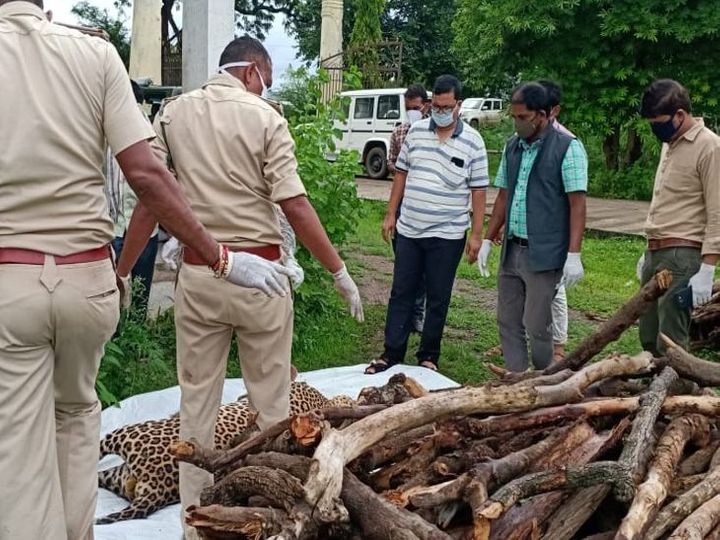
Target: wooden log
<point>614,327</point>
<point>214,460</point>
<point>699,461</point>
<point>212,521</point>
<point>379,519</point>
<point>684,483</point>
<point>338,448</point>
<point>278,486</point>
<point>700,523</point>
<point>691,367</point>
<point>670,516</point>
<point>651,493</point>
<point>639,444</point>
<point>390,449</point>
<point>535,511</point>
<point>574,512</point>
<point>714,534</point>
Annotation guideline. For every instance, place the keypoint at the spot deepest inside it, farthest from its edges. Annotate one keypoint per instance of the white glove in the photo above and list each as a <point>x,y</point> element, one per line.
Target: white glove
<point>639,267</point>
<point>350,293</point>
<point>248,270</point>
<point>125,287</point>
<point>297,275</point>
<point>573,271</point>
<point>702,284</point>
<point>171,253</point>
<point>483,257</point>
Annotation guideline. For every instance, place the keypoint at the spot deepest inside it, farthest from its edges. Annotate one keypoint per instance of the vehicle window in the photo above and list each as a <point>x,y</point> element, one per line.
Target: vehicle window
<point>388,107</point>
<point>485,106</point>
<point>497,105</point>
<point>364,108</point>
<point>471,104</point>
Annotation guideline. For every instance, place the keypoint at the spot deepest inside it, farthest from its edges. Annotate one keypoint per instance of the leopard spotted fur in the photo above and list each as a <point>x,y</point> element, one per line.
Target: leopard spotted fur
<point>149,476</point>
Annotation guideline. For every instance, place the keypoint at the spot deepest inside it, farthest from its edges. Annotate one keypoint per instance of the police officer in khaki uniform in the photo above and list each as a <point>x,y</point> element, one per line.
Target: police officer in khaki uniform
<point>64,94</point>
<point>234,157</point>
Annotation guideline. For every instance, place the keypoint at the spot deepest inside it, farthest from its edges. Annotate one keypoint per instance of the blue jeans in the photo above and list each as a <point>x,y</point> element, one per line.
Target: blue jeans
<point>437,260</point>
<point>143,270</point>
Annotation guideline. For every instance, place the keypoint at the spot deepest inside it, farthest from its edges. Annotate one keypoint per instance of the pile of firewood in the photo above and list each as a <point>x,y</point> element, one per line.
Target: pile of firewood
<point>705,327</point>
<point>625,447</point>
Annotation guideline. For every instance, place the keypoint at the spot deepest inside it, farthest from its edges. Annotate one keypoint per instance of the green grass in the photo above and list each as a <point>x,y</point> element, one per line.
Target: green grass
<point>145,353</point>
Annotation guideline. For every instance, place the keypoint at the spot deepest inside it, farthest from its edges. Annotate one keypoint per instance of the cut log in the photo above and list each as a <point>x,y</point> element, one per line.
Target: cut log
<point>683,506</point>
<point>379,519</point>
<point>279,487</point>
<point>390,449</point>
<point>700,523</point>
<point>613,328</point>
<point>651,493</point>
<point>691,367</point>
<point>217,521</point>
<point>574,512</point>
<point>532,514</point>
<point>338,448</point>
<point>698,461</point>
<point>684,483</point>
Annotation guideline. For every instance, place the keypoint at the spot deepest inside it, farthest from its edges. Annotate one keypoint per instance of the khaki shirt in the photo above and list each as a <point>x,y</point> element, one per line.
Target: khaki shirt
<point>234,158</point>
<point>686,196</point>
<point>63,95</point>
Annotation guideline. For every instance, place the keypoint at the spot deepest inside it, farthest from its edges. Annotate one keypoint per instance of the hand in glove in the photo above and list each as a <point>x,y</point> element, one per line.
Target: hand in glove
<point>573,271</point>
<point>350,293</point>
<point>124,285</point>
<point>171,253</point>
<point>297,275</point>
<point>248,270</point>
<point>483,257</point>
<point>639,267</point>
<point>701,284</point>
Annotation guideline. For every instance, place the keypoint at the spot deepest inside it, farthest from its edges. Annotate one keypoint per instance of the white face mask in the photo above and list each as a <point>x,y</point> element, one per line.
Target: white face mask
<point>225,67</point>
<point>413,116</point>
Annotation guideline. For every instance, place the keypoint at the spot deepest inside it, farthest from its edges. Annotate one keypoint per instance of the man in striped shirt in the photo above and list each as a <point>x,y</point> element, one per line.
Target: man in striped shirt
<point>441,169</point>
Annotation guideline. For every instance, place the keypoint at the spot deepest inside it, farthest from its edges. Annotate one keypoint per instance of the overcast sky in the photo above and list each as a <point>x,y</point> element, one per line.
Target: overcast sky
<point>280,46</point>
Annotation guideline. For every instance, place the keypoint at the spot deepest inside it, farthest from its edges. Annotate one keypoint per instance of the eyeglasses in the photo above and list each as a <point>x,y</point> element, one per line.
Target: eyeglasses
<point>445,110</point>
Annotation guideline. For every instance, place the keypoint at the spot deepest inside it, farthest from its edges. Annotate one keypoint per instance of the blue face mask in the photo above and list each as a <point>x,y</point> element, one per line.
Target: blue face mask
<point>443,119</point>
<point>664,130</point>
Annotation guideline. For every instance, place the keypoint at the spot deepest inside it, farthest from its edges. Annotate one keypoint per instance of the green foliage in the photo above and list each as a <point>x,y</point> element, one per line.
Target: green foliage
<point>604,52</point>
<point>330,184</point>
<point>114,25</point>
<point>365,39</point>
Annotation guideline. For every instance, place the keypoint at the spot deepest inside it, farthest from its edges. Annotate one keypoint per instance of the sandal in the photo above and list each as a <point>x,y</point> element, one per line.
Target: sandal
<point>378,366</point>
<point>429,364</point>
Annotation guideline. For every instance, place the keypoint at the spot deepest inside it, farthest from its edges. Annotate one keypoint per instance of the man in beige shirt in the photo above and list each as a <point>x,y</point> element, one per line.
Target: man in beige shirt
<point>235,159</point>
<point>683,224</point>
<point>64,95</point>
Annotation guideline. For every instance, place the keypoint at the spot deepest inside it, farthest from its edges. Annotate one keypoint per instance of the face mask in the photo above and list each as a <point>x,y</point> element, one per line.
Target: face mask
<point>443,119</point>
<point>525,128</point>
<point>225,67</point>
<point>413,116</point>
<point>664,130</point>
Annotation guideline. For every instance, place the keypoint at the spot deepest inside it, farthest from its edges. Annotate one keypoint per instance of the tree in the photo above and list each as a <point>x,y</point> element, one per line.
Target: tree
<point>604,52</point>
<point>114,25</point>
<point>365,40</point>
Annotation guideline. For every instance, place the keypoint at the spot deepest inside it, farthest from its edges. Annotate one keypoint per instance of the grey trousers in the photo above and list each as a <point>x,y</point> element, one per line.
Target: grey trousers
<point>524,310</point>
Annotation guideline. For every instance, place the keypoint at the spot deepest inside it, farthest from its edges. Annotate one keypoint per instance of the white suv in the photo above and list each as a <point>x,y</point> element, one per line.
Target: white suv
<point>372,116</point>
<point>481,111</point>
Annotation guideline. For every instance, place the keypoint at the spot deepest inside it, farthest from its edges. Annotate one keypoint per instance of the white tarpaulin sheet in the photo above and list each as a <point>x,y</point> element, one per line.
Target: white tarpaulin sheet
<point>165,523</point>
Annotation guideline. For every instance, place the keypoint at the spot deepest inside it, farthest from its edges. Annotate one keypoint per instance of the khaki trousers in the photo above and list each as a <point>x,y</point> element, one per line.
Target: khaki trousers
<point>208,311</point>
<point>54,322</point>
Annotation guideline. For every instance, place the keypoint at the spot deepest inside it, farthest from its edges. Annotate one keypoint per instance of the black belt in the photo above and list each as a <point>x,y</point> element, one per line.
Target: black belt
<point>522,242</point>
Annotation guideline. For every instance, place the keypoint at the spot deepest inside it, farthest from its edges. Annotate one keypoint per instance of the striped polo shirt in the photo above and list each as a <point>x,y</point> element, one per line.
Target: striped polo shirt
<point>440,177</point>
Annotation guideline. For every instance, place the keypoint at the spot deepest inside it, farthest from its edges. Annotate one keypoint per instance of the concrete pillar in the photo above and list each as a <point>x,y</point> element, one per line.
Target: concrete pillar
<point>331,45</point>
<point>145,41</point>
<point>208,26</point>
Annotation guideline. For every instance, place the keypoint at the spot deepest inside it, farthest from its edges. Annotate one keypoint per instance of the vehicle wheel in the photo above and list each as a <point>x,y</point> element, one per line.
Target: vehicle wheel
<point>376,163</point>
<point>474,123</point>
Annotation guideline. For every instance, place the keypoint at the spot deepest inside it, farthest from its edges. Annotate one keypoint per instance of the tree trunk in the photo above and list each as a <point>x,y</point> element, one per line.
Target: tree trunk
<point>611,149</point>
<point>633,150</point>
<point>651,493</point>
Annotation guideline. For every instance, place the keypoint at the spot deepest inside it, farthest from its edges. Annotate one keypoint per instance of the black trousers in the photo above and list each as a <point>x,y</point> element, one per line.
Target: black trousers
<point>435,259</point>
